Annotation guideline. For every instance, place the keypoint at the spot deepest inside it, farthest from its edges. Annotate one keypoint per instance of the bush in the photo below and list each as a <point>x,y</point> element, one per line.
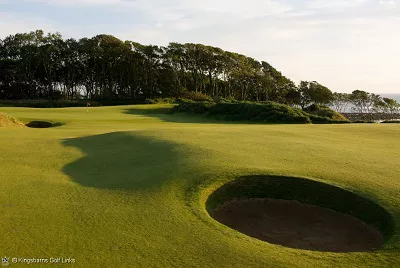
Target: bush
<point>226,100</point>
<point>364,122</point>
<point>161,101</point>
<point>323,114</point>
<point>246,111</point>
<point>391,122</point>
<point>196,96</point>
<point>189,106</point>
<point>267,112</point>
<point>316,119</point>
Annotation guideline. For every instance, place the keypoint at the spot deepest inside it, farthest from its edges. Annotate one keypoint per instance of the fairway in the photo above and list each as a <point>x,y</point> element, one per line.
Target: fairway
<point>127,186</point>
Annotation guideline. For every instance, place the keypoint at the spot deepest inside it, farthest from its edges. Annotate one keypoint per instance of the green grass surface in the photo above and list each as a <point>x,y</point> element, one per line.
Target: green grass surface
<point>127,187</point>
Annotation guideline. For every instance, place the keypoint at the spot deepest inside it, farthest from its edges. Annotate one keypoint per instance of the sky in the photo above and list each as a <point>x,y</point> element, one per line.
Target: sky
<point>342,44</point>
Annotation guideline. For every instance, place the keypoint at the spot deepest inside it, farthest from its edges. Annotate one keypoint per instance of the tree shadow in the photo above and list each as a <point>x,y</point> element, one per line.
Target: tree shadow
<point>123,161</point>
<point>167,115</point>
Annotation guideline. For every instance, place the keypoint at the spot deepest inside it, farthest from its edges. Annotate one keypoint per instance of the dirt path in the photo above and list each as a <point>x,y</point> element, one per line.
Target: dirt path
<point>297,225</point>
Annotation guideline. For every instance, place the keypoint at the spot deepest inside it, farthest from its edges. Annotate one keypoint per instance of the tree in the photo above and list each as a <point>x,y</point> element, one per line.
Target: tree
<point>392,107</point>
<point>340,101</point>
<point>363,102</point>
<point>314,93</point>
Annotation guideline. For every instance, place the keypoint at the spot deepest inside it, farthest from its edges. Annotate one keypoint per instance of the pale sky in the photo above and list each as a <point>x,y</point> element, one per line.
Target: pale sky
<point>343,44</point>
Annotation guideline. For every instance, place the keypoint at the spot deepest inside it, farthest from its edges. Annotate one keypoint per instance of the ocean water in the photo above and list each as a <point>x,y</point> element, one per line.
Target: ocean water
<point>392,96</point>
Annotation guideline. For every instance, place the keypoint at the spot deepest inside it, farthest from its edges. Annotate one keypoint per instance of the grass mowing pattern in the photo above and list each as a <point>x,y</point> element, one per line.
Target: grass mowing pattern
<point>305,191</point>
<point>78,190</point>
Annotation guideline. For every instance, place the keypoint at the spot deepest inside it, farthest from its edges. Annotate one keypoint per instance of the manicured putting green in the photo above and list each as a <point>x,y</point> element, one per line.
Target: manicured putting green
<point>128,186</point>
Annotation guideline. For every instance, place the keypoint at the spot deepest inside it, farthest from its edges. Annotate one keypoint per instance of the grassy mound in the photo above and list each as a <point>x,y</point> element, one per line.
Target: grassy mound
<point>305,191</point>
<point>268,112</point>
<point>324,115</point>
<point>8,121</point>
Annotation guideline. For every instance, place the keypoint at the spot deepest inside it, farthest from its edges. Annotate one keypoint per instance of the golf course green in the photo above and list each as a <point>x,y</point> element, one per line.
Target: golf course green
<point>130,186</point>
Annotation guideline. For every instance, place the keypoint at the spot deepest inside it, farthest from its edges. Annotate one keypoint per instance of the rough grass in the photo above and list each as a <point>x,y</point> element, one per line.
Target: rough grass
<point>9,121</point>
<point>117,189</point>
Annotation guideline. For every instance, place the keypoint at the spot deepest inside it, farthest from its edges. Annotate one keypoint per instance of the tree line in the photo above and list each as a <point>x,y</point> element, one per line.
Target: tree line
<point>36,65</point>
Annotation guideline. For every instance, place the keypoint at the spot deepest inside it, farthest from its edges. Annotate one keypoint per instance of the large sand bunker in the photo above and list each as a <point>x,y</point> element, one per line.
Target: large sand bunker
<point>300,213</point>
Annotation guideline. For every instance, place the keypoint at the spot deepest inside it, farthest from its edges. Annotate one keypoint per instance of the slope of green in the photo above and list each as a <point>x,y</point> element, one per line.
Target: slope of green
<point>127,186</point>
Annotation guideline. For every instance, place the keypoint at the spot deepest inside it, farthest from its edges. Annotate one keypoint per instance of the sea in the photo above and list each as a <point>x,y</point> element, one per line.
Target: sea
<point>392,96</point>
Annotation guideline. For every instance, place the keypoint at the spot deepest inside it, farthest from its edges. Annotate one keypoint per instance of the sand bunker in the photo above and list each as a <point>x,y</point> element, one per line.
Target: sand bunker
<point>43,124</point>
<point>297,225</point>
<point>301,213</point>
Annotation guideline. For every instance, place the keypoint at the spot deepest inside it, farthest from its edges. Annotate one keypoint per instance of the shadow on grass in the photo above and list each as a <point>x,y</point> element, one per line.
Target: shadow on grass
<point>166,115</point>
<point>123,161</point>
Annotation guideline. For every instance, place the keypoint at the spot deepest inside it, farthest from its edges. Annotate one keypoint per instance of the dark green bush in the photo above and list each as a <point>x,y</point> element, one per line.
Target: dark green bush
<point>315,119</point>
<point>188,106</point>
<point>161,101</point>
<point>196,96</point>
<point>267,112</point>
<point>364,122</point>
<point>246,111</point>
<point>391,122</point>
<point>325,115</point>
<point>226,100</point>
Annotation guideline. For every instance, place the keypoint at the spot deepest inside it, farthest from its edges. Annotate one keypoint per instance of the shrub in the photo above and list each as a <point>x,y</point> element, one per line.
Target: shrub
<point>364,122</point>
<point>267,112</point>
<point>188,106</point>
<point>226,100</point>
<point>161,101</point>
<point>391,122</point>
<point>323,111</point>
<point>316,119</point>
<point>196,96</point>
<point>246,111</point>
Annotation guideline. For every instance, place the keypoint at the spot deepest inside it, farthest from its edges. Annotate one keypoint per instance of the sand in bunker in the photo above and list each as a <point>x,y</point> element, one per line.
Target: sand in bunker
<point>297,225</point>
